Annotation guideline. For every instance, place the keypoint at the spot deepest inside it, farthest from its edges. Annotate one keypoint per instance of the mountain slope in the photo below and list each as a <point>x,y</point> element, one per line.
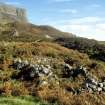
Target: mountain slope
<point>26,32</point>
<point>29,32</point>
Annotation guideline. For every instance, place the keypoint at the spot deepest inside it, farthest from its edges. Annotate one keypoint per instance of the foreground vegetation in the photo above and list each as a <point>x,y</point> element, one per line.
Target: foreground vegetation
<point>33,47</point>
<point>53,93</point>
<point>95,49</point>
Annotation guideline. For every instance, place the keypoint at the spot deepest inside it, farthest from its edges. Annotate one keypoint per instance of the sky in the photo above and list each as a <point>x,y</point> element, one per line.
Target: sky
<point>85,18</point>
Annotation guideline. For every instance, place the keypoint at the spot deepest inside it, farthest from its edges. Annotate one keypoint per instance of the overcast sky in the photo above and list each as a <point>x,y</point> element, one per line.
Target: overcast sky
<point>85,18</point>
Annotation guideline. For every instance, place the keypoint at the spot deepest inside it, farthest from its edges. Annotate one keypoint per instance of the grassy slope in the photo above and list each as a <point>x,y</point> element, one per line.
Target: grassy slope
<point>95,49</point>
<point>45,49</point>
<point>58,54</point>
<point>29,32</point>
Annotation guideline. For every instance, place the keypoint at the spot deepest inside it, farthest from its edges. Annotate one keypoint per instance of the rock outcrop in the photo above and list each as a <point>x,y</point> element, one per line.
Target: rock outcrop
<point>11,13</point>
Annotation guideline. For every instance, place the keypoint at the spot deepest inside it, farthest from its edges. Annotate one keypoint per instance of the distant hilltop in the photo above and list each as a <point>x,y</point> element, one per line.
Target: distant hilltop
<point>12,13</point>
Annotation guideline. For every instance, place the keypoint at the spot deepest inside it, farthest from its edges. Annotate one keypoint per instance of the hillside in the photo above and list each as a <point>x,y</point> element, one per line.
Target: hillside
<point>17,31</point>
<point>56,67</point>
<point>41,65</point>
<point>95,49</point>
<point>51,72</point>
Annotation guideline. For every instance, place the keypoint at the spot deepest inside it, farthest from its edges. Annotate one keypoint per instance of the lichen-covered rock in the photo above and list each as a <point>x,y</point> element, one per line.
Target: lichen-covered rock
<point>14,33</point>
<point>30,71</point>
<point>100,85</point>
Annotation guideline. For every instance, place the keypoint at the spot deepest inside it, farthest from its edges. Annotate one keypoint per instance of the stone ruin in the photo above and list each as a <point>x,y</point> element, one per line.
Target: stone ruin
<point>28,71</point>
<point>90,84</point>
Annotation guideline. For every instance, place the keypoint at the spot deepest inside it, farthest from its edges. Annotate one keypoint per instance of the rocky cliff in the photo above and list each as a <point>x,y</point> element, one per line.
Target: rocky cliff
<point>11,13</point>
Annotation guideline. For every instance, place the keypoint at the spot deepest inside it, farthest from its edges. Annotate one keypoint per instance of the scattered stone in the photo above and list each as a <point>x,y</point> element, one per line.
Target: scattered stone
<point>42,83</point>
<point>103,84</point>
<point>103,89</point>
<point>15,33</point>
<point>100,85</point>
<point>67,67</point>
<point>28,70</point>
<point>90,90</point>
<point>44,73</point>
<point>99,89</point>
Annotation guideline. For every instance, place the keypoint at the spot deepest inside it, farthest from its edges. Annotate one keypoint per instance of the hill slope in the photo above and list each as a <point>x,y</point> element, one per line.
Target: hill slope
<point>28,32</point>
<point>57,67</point>
<point>59,86</point>
<point>25,32</point>
<point>95,49</point>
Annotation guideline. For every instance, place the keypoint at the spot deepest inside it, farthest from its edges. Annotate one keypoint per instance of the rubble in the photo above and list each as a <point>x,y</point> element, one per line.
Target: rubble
<point>32,71</point>
<point>90,84</point>
<point>46,76</point>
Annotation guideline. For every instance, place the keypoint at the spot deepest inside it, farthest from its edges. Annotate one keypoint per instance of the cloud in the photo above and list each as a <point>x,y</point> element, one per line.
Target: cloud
<point>95,5</point>
<point>73,11</point>
<point>61,0</point>
<point>89,27</point>
<point>13,3</point>
<point>86,20</point>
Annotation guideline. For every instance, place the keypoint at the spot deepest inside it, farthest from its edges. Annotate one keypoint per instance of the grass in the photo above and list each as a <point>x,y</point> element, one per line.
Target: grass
<point>26,100</point>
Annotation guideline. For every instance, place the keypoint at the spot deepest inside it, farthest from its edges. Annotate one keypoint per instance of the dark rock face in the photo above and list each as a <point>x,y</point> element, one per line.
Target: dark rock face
<point>11,13</point>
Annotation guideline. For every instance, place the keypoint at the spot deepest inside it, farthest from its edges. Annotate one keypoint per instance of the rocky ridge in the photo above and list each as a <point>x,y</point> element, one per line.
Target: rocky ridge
<point>10,13</point>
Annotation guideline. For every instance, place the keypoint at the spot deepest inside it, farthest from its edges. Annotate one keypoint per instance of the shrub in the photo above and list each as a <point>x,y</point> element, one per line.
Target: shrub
<point>14,88</point>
